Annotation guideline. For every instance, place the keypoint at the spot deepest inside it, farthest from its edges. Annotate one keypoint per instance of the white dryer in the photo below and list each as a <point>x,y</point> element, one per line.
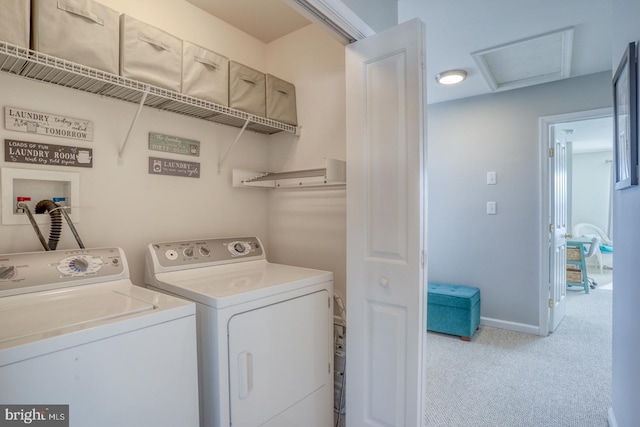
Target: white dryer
<point>75,331</point>
<point>264,331</point>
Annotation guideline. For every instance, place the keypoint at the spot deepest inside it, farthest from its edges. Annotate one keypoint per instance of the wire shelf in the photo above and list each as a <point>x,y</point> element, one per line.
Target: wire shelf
<point>46,68</point>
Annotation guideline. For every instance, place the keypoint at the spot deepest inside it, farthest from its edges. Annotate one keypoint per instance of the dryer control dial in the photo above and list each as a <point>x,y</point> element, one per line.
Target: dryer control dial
<point>188,252</point>
<point>79,265</point>
<point>239,248</point>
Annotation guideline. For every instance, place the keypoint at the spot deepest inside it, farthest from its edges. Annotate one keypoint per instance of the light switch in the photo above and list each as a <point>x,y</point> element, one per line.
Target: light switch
<point>492,178</point>
<point>492,208</point>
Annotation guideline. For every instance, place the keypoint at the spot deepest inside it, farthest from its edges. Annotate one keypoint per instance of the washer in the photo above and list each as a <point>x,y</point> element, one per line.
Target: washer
<point>76,331</point>
<point>264,331</point>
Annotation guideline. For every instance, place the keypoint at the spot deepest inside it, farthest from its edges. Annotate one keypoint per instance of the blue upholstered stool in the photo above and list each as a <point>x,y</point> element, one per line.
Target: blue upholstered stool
<point>453,309</point>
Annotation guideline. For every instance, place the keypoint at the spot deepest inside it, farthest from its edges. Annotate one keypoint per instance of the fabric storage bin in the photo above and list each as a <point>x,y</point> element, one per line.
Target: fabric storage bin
<point>81,31</point>
<point>15,22</point>
<point>281,100</point>
<point>149,54</point>
<point>205,74</point>
<point>453,309</point>
<point>247,89</point>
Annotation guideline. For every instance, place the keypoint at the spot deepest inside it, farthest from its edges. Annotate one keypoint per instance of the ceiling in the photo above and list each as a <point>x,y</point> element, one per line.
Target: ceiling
<point>458,30</point>
<point>588,136</point>
<point>266,20</point>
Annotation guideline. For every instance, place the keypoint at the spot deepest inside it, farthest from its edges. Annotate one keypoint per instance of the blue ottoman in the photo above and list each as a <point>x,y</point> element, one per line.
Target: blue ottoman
<point>453,309</point>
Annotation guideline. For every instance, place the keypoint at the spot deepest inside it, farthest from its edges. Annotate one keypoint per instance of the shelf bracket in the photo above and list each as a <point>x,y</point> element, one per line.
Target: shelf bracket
<point>133,123</point>
<point>230,148</point>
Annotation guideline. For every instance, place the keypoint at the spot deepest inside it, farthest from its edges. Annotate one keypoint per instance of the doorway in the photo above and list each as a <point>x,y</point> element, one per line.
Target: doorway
<point>589,192</point>
<point>588,138</point>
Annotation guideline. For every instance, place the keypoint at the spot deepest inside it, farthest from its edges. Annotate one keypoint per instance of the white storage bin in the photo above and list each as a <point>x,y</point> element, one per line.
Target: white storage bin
<point>81,31</point>
<point>205,74</point>
<point>281,101</point>
<point>149,54</point>
<point>247,89</point>
<point>15,22</point>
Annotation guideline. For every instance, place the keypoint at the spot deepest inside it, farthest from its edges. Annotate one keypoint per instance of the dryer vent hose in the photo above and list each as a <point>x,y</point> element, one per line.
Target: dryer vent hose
<point>56,221</point>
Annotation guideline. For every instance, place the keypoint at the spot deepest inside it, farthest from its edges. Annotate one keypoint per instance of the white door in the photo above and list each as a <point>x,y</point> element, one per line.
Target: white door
<point>276,364</point>
<point>558,229</point>
<point>386,237</point>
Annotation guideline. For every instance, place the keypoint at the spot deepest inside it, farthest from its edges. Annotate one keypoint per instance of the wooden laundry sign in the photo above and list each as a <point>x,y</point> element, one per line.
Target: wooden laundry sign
<point>47,154</point>
<point>173,144</point>
<point>47,124</point>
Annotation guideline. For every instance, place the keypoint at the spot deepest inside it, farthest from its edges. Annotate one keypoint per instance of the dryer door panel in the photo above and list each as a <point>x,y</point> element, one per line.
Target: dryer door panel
<point>278,355</point>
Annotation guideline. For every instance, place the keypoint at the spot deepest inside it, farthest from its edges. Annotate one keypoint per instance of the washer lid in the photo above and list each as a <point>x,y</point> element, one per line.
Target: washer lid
<point>50,313</point>
<point>230,284</point>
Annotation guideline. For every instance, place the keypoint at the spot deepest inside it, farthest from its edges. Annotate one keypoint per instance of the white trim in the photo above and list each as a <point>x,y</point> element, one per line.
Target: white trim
<point>545,123</point>
<point>565,66</point>
<point>510,326</point>
<point>611,418</point>
<point>335,16</point>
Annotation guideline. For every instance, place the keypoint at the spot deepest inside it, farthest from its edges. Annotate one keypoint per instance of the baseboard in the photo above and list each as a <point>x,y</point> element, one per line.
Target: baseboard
<point>510,326</point>
<point>611,418</point>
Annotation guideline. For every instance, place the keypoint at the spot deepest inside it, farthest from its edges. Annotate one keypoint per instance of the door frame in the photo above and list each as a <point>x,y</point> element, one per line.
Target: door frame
<point>545,123</point>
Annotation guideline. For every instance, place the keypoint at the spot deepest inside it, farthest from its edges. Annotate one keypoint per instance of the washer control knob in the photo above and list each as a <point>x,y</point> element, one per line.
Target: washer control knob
<point>79,264</point>
<point>171,254</point>
<point>204,251</point>
<point>238,247</point>
<point>188,252</point>
<point>8,273</point>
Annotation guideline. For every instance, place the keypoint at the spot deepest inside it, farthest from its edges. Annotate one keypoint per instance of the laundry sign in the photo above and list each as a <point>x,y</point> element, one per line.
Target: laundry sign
<point>173,144</point>
<point>158,166</point>
<point>47,124</point>
<point>47,154</point>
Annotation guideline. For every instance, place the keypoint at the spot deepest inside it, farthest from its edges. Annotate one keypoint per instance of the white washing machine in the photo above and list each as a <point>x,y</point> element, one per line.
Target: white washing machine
<point>264,331</point>
<point>75,331</point>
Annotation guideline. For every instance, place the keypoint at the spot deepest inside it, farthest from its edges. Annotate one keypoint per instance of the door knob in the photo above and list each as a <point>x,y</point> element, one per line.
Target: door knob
<point>568,236</point>
<point>384,282</point>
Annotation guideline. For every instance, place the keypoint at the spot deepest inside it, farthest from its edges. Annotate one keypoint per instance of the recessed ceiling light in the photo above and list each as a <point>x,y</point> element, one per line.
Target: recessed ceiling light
<point>451,77</point>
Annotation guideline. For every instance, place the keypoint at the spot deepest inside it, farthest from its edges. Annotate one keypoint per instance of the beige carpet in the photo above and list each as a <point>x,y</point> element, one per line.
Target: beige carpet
<point>507,379</point>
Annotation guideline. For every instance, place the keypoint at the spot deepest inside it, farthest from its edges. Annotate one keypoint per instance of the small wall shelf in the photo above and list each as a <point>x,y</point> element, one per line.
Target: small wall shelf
<point>332,175</point>
<point>46,68</point>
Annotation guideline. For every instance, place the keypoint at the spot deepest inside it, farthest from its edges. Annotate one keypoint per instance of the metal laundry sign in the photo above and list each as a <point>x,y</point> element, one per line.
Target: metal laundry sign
<point>47,124</point>
<point>47,154</point>
<point>173,144</point>
<point>158,166</point>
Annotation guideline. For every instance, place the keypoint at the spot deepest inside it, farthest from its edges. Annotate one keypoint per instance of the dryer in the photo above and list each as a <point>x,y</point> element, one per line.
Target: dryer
<point>75,331</point>
<point>264,331</point>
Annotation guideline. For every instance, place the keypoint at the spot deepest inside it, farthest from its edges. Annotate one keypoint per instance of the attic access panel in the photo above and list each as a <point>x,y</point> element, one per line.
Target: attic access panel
<point>540,59</point>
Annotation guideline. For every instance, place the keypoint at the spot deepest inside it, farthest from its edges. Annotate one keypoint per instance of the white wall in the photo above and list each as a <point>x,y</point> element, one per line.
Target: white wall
<point>308,227</point>
<point>127,207</point>
<point>591,187</point>
<point>626,295</point>
<point>497,132</point>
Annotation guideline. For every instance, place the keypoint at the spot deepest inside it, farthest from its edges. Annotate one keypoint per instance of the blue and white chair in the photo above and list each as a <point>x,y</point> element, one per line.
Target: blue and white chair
<point>605,245</point>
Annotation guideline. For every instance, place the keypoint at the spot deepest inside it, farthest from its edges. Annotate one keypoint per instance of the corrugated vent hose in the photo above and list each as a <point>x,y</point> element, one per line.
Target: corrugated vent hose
<point>56,212</point>
<point>56,221</point>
